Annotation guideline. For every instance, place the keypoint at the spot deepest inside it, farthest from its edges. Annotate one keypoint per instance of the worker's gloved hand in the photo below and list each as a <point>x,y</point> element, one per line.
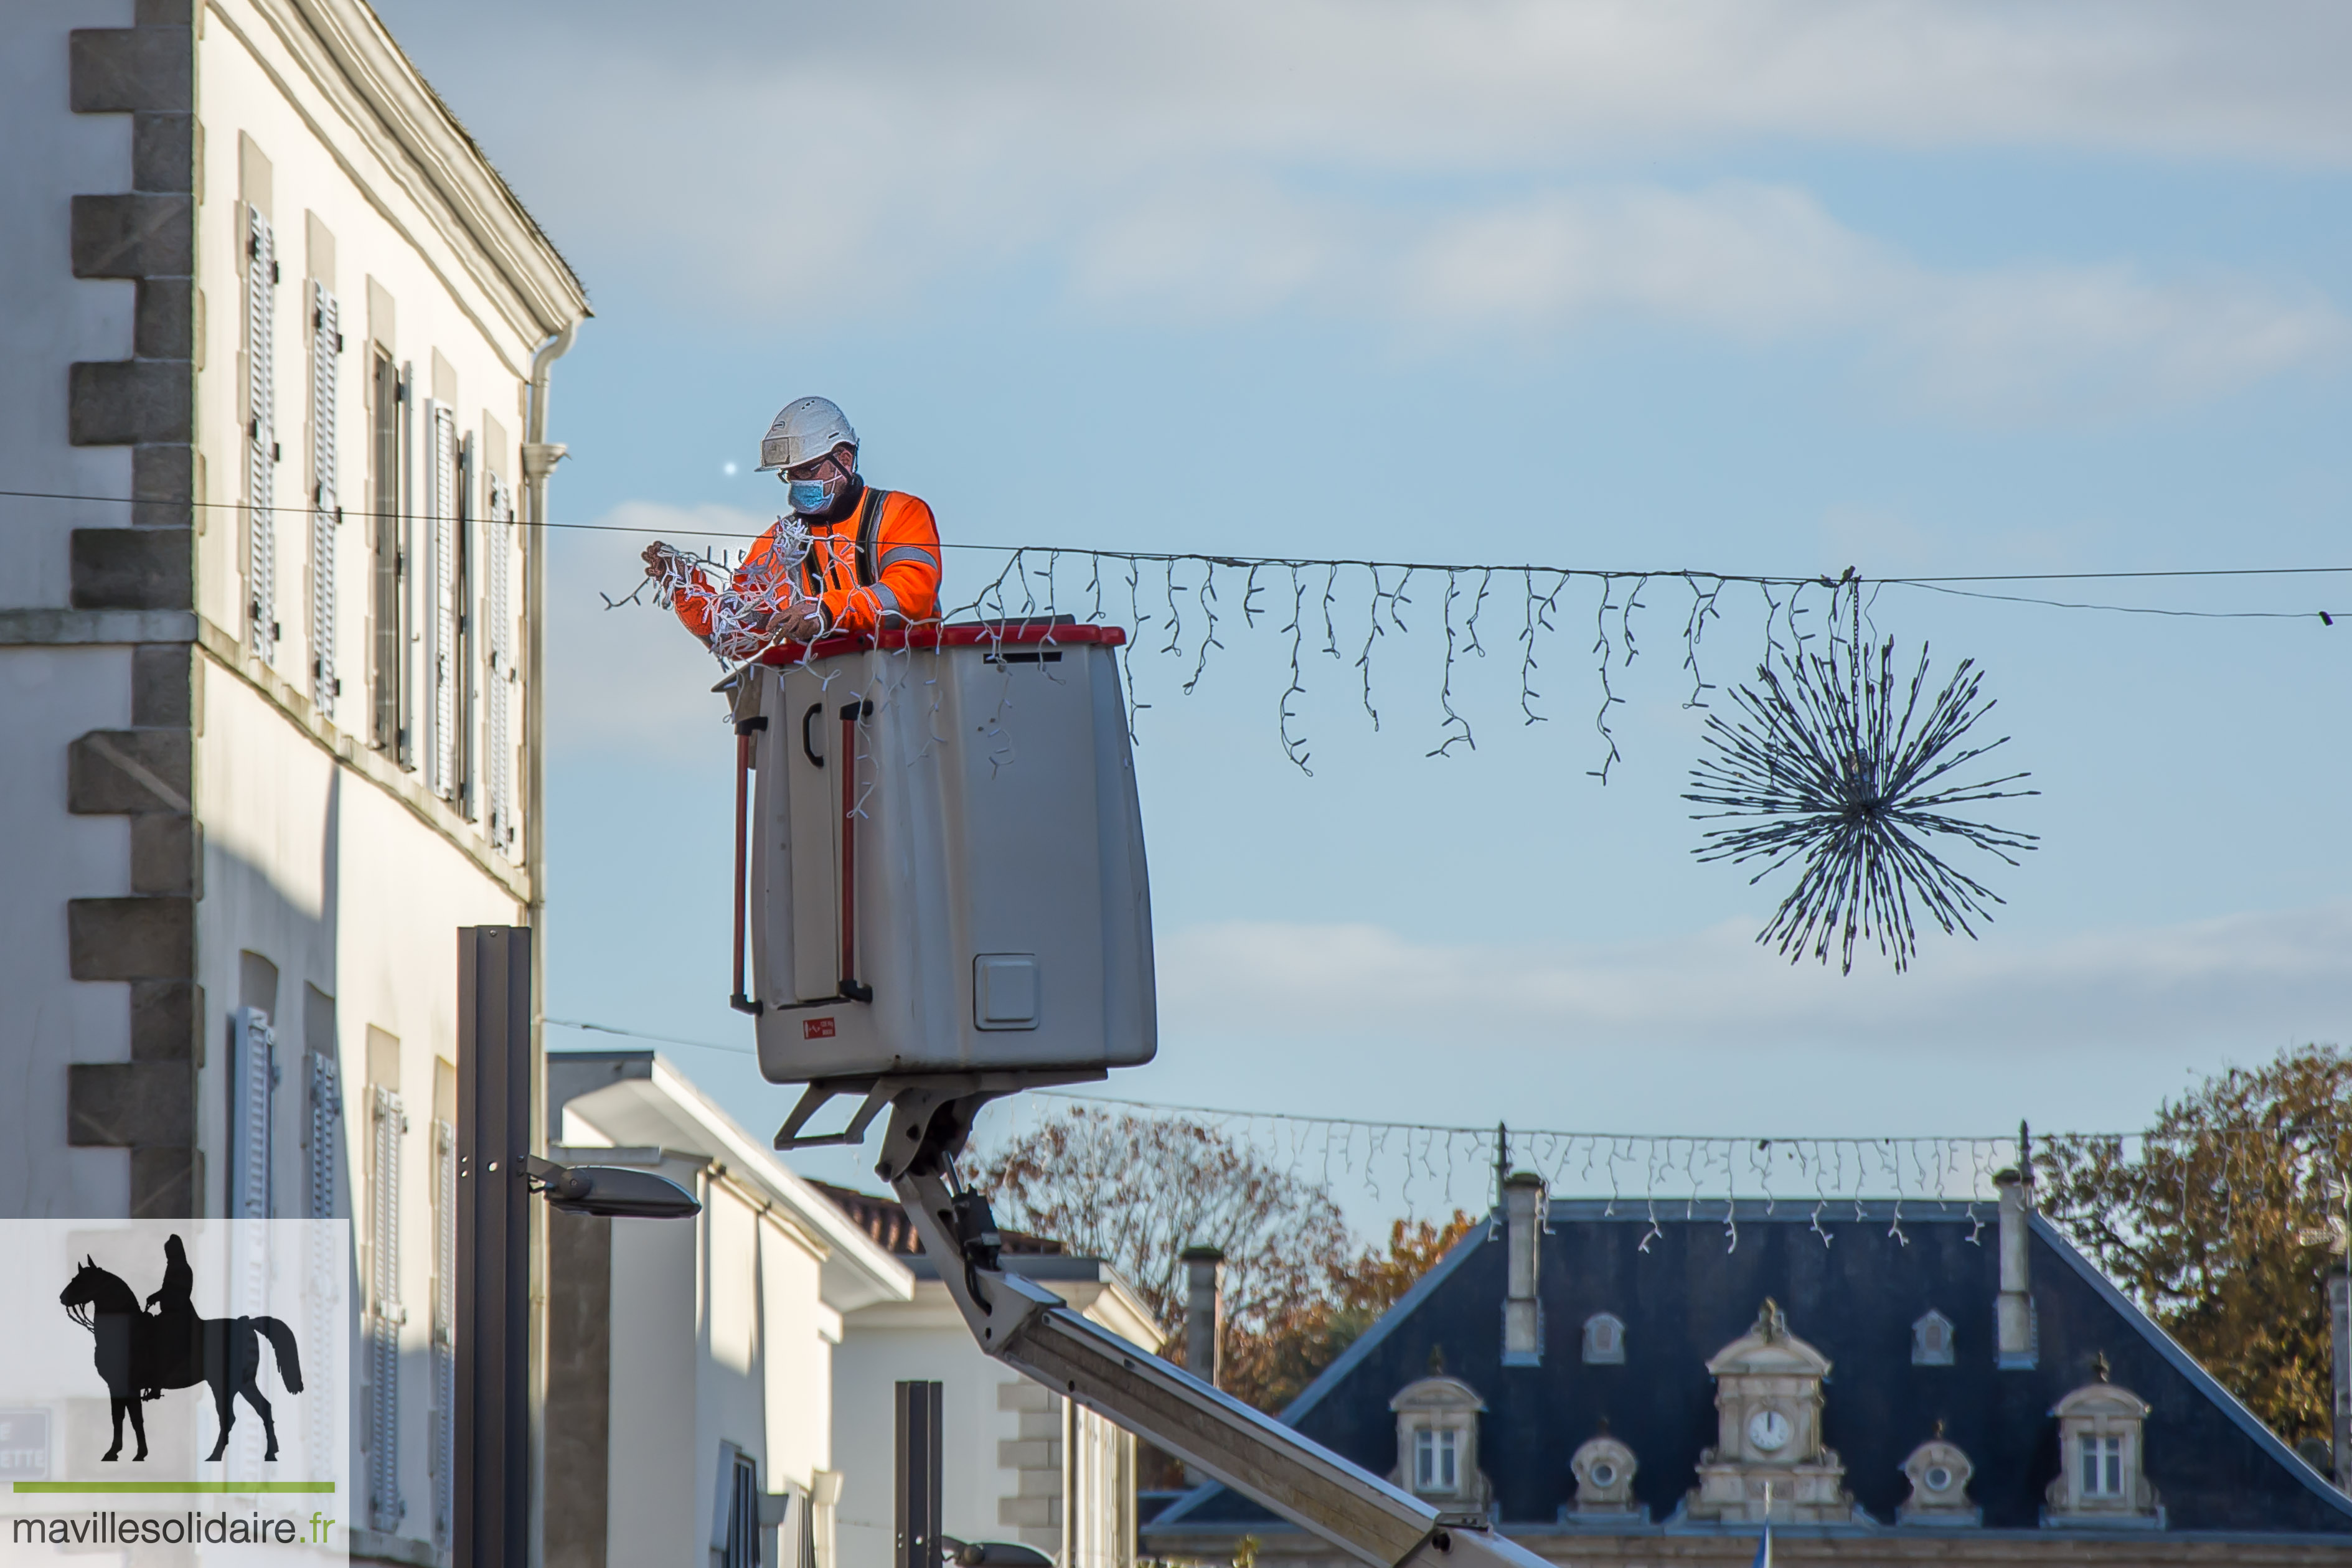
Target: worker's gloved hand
<point>798,622</point>
<point>656,556</point>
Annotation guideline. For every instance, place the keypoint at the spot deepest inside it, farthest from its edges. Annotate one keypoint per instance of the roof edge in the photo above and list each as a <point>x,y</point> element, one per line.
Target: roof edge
<point>743,1153</point>
<point>1364,1344</point>
<point>1347,1361</point>
<point>2188,1366</point>
<point>452,163</point>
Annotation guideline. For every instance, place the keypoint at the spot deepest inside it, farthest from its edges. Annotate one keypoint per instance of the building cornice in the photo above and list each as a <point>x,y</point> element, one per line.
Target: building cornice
<point>345,51</point>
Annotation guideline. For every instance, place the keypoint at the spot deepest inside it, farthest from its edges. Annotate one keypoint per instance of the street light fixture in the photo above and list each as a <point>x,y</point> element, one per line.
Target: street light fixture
<point>612,1192</point>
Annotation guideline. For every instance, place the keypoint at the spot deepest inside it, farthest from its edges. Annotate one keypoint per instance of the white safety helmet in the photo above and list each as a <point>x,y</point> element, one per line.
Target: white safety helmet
<point>807,429</point>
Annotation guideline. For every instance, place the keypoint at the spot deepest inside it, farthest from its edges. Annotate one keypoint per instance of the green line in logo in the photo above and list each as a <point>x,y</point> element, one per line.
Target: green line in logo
<point>239,1488</point>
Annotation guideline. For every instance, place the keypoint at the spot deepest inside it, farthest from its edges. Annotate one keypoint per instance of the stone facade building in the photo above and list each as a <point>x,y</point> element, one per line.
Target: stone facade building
<point>273,393</point>
<point>1632,1384</point>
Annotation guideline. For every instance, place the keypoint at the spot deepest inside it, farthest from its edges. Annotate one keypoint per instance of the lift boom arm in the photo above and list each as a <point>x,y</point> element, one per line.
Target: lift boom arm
<point>1032,1330</point>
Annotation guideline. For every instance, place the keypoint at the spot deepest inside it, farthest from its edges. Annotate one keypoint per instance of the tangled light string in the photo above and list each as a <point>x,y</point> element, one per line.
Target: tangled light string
<point>744,596</point>
<point>1856,783</point>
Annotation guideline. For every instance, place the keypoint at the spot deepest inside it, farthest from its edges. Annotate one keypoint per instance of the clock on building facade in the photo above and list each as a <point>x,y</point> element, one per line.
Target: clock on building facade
<point>1768,1459</point>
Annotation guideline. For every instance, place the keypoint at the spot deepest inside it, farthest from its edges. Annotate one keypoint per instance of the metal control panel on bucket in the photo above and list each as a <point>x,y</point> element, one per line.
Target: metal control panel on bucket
<point>944,855</point>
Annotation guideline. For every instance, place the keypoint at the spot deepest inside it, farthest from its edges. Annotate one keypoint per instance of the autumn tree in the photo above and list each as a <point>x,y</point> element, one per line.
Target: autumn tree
<point>1356,1291</point>
<point>2222,1219</point>
<point>1137,1190</point>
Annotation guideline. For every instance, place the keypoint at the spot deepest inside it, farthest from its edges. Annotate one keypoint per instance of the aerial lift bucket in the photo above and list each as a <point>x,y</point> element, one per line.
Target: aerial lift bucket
<point>939,860</point>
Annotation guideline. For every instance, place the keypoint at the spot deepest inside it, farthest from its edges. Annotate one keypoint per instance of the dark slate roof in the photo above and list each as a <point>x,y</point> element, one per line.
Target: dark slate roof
<point>1684,1292</point>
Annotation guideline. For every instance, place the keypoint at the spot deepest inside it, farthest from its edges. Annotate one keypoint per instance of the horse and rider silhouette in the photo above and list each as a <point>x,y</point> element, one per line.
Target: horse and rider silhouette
<point>141,1354</point>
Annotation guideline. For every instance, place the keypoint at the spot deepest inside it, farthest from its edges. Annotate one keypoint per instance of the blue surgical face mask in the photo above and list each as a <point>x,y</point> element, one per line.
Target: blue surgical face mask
<point>809,496</point>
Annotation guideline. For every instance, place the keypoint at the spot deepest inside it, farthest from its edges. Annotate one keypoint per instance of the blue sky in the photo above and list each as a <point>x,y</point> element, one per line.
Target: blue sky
<point>1759,288</point>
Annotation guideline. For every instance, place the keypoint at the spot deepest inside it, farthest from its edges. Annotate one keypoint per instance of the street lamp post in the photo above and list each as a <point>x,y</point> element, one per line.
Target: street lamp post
<point>499,1170</point>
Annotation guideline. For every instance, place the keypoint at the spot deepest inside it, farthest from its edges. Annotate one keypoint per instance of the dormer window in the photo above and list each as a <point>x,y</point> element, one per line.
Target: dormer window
<point>2102,1479</point>
<point>1931,1341</point>
<point>1604,1339</point>
<point>1940,1475</point>
<point>1603,1469</point>
<point>1437,1443</point>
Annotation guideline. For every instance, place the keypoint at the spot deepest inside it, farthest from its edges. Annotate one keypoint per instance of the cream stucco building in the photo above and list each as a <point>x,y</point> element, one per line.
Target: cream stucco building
<point>692,1366</point>
<point>273,390</point>
<point>1022,1464</point>
<point>741,1368</point>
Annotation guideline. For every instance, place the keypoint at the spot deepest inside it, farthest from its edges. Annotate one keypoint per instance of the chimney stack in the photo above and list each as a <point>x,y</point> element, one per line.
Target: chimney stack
<point>1523,1236</point>
<point>1204,1312</point>
<point>2014,1339</point>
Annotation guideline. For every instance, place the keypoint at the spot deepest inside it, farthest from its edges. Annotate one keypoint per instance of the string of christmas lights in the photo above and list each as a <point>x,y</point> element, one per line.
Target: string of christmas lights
<point>2299,1179</point>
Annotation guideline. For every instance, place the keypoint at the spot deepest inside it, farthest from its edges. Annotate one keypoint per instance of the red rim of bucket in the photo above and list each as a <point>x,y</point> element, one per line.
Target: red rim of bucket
<point>933,634</point>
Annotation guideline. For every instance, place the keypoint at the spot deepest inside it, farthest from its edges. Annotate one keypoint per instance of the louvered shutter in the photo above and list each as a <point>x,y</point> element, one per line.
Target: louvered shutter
<point>326,1295</point>
<point>262,434</point>
<point>251,1069</point>
<point>384,1314</point>
<point>326,1132</point>
<point>327,512</point>
<point>498,545</point>
<point>445,1332</point>
<point>441,457</point>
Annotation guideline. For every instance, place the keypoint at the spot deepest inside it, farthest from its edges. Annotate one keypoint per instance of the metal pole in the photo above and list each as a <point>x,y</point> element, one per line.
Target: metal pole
<point>492,1470</point>
<point>922,1473</point>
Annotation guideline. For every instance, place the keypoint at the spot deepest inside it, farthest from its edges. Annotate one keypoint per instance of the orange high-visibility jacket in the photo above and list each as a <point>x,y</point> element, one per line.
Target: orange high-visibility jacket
<point>875,568</point>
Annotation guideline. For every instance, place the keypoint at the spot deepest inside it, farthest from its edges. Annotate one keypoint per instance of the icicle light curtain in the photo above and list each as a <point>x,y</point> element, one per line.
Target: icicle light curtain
<point>1844,779</point>
<point>1182,606</point>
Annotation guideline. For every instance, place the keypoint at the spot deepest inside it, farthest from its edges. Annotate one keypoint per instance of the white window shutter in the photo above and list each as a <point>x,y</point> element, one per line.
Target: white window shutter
<point>327,512</point>
<point>262,434</point>
<point>445,1332</point>
<point>384,1314</point>
<point>251,1069</point>
<point>252,1073</point>
<point>326,1132</point>
<point>440,659</point>
<point>328,1287</point>
<point>498,544</point>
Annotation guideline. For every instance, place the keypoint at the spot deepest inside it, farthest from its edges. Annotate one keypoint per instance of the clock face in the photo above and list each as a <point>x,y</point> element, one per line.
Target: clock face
<point>1769,1430</point>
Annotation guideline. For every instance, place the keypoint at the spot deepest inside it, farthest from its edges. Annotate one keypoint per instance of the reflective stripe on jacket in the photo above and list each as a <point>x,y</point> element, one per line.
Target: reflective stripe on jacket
<point>875,568</point>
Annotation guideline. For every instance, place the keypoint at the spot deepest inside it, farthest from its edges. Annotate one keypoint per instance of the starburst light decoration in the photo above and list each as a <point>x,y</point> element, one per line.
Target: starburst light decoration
<point>1855,781</point>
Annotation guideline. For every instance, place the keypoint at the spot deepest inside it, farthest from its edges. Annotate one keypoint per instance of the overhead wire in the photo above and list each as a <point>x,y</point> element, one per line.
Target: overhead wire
<point>1308,562</point>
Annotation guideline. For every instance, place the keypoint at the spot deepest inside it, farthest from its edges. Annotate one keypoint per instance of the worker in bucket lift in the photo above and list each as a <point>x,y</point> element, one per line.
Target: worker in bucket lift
<point>873,561</point>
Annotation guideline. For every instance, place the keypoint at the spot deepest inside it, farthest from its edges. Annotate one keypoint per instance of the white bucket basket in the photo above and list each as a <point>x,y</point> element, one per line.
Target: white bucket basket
<point>945,857</point>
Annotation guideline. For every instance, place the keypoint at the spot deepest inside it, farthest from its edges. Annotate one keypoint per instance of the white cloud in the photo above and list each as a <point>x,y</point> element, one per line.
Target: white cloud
<point>1418,164</point>
<point>2259,981</point>
<point>1756,262</point>
<point>1432,85</point>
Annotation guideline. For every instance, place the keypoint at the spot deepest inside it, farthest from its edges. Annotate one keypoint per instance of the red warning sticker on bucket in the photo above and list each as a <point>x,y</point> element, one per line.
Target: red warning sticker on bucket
<point>816,1029</point>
